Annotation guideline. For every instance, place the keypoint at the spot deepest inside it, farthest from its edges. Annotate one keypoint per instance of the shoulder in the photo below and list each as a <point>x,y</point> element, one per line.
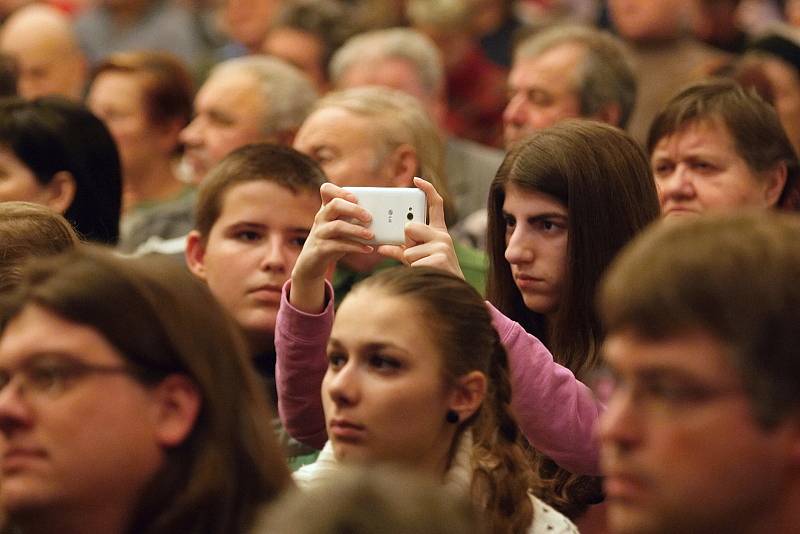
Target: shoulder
<point>547,520</point>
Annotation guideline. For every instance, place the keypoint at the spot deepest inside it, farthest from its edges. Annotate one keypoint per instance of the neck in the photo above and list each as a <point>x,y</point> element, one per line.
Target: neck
<point>155,181</point>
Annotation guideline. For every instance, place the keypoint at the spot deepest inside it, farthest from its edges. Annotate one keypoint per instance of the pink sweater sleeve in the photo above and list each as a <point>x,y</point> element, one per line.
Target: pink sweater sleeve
<point>300,340</point>
<point>555,411</point>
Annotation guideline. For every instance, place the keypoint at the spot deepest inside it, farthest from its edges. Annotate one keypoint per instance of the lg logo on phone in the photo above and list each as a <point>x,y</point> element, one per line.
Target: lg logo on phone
<point>391,212</point>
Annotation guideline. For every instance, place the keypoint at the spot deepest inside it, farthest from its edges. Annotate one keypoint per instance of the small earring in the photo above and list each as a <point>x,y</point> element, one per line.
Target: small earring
<point>451,417</point>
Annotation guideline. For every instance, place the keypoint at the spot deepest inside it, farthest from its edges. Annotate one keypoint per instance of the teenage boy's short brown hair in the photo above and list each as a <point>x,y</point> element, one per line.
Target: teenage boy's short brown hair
<point>734,277</point>
<point>271,163</point>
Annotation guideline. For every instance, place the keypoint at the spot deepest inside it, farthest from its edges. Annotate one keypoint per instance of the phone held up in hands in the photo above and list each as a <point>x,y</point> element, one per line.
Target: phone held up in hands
<point>391,208</point>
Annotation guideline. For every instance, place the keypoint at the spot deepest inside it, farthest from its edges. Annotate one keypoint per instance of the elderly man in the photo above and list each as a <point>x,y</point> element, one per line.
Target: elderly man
<point>568,72</point>
<point>50,62</point>
<point>244,100</point>
<point>702,432</point>
<point>717,147</point>
<point>408,61</point>
<point>374,136</point>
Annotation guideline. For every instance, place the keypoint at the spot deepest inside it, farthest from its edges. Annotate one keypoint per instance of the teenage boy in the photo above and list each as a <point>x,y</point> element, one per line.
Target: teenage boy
<point>253,214</point>
<point>702,432</point>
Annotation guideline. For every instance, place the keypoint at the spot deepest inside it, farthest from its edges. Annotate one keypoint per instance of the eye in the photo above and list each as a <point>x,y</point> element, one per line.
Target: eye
<point>298,241</point>
<point>384,363</point>
<point>48,377</point>
<point>248,235</point>
<point>509,221</point>
<point>336,360</point>
<point>662,168</point>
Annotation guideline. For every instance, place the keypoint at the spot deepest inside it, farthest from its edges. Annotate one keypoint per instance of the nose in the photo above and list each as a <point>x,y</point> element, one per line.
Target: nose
<point>190,135</point>
<point>15,411</point>
<point>514,112</point>
<point>342,385</point>
<point>518,251</point>
<point>275,257</point>
<point>619,426</point>
<point>679,184</point>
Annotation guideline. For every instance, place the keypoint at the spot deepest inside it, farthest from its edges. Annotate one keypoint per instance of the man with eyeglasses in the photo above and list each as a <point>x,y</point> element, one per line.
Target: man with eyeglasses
<point>702,432</point>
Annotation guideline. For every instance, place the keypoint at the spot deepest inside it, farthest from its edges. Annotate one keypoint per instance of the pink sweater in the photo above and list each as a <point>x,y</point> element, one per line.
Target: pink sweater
<point>555,411</point>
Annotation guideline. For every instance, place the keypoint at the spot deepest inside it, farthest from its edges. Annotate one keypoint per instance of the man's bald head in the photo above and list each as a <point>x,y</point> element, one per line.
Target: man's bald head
<point>41,39</point>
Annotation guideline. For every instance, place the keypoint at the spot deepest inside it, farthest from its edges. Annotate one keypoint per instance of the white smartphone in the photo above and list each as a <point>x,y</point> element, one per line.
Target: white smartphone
<point>391,208</point>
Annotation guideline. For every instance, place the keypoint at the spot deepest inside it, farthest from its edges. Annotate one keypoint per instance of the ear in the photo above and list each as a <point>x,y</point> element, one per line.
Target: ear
<point>610,114</point>
<point>402,165</point>
<point>60,192</point>
<point>178,402</point>
<point>195,254</point>
<point>468,394</point>
<point>775,182</point>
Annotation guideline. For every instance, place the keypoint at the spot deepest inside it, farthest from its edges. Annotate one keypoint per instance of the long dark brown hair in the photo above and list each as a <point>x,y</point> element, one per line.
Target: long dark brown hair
<point>164,322</point>
<point>603,179</point>
<point>468,342</point>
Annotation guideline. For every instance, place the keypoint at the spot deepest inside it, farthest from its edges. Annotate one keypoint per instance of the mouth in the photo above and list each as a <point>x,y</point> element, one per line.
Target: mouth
<point>17,458</point>
<point>525,281</point>
<point>268,293</point>
<point>345,430</point>
<point>679,210</point>
<point>623,486</point>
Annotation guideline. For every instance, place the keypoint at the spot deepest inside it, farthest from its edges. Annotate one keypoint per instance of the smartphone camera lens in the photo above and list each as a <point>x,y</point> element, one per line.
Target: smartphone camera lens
<point>410,216</point>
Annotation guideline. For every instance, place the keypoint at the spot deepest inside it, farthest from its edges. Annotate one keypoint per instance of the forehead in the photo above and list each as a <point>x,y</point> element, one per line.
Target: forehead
<point>707,134</point>
<point>336,126</point>
<point>117,85</point>
<point>556,65</point>
<point>266,202</point>
<point>695,353</point>
<point>231,90</point>
<point>371,315</point>
<point>523,201</point>
<point>393,72</point>
<point>37,330</point>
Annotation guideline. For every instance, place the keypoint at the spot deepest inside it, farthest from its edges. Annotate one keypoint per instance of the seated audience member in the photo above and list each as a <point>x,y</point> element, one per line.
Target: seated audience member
<point>561,73</point>
<point>253,214</point>
<point>715,147</point>
<point>702,432</point>
<point>105,28</point>
<point>55,152</point>
<point>435,400</point>
<point>305,33</point>
<point>28,231</point>
<point>475,86</point>
<point>568,72</point>
<point>665,55</point>
<point>145,100</point>
<point>373,500</point>
<point>146,421</point>
<point>407,60</point>
<point>247,23</point>
<point>244,100</point>
<point>42,41</point>
<point>564,202</point>
<point>374,136</point>
<point>776,57</point>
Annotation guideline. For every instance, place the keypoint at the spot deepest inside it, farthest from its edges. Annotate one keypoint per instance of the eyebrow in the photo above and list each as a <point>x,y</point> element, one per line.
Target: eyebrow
<point>368,347</point>
<point>538,216</point>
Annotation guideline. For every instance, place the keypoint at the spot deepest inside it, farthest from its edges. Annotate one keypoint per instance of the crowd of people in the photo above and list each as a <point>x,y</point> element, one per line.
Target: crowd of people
<point>593,330</point>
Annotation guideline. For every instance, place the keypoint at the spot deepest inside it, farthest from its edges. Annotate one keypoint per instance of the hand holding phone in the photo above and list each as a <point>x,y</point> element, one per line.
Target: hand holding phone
<point>391,208</point>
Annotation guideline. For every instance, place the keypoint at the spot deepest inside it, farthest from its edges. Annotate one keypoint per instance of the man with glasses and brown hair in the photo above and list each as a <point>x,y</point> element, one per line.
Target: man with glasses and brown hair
<point>702,432</point>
